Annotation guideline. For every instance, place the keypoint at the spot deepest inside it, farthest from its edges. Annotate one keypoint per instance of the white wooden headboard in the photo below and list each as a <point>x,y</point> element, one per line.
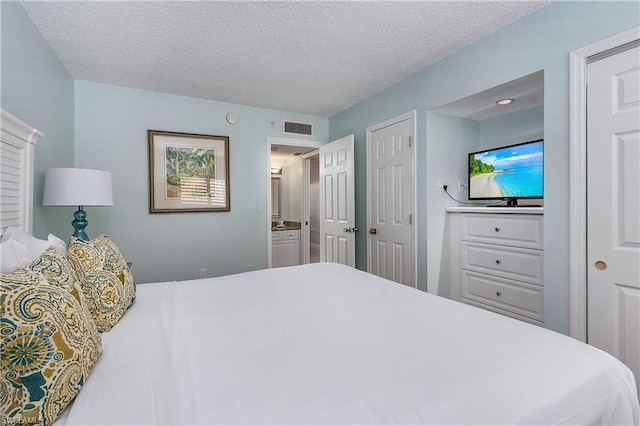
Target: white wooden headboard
<point>16,172</point>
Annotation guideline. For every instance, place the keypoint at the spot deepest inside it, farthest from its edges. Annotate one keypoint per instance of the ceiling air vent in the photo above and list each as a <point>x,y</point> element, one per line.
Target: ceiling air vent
<point>298,128</point>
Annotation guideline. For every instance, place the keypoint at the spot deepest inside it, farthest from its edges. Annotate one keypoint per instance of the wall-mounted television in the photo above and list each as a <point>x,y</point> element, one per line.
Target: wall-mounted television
<point>507,173</point>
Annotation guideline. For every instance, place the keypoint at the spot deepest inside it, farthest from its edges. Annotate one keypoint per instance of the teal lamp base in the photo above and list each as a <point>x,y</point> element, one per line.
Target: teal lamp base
<point>79,223</point>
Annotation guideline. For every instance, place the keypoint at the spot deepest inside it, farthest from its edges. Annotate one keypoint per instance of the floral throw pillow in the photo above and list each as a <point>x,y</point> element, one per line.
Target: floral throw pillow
<point>49,347</point>
<point>57,270</point>
<point>107,283</point>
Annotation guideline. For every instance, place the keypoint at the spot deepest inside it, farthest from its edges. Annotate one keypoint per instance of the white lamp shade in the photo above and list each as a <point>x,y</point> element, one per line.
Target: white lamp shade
<point>77,187</point>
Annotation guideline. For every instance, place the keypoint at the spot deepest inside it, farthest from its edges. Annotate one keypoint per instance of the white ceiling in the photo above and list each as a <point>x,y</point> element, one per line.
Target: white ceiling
<point>313,57</point>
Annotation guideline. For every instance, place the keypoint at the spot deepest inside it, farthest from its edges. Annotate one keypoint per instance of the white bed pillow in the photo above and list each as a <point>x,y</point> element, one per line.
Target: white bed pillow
<point>57,243</point>
<point>33,245</point>
<point>13,255</point>
<point>19,248</point>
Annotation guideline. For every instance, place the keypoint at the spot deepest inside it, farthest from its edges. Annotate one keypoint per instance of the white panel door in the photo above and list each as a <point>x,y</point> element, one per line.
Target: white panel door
<point>391,203</point>
<point>337,202</point>
<point>613,206</point>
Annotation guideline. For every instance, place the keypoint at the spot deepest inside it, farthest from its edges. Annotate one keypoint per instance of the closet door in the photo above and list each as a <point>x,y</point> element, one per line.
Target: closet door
<point>613,206</point>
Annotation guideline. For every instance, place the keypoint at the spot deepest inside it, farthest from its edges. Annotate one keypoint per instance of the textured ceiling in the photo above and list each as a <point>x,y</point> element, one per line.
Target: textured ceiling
<point>310,57</point>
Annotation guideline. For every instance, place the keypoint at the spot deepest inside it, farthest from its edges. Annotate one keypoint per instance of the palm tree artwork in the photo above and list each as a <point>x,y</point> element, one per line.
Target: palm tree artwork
<point>190,173</point>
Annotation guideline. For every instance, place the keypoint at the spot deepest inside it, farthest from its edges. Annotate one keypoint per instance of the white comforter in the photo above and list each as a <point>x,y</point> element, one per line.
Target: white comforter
<point>327,344</point>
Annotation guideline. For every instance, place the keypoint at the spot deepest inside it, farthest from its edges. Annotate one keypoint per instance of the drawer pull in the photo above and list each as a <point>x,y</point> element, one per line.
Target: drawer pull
<point>497,229</point>
<point>498,261</point>
<point>498,293</point>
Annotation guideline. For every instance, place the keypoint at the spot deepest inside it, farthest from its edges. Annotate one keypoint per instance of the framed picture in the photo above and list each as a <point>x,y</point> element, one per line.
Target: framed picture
<point>188,172</point>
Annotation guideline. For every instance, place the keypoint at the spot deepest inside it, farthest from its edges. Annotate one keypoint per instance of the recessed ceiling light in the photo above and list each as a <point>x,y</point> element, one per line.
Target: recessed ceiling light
<point>506,101</point>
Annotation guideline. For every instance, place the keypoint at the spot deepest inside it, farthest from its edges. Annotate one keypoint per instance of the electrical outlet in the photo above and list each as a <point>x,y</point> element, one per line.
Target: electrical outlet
<point>441,184</point>
<point>203,273</point>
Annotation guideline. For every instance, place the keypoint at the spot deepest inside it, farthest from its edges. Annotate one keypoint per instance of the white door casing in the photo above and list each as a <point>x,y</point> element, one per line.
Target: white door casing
<point>613,206</point>
<point>391,200</point>
<point>307,203</point>
<point>337,199</point>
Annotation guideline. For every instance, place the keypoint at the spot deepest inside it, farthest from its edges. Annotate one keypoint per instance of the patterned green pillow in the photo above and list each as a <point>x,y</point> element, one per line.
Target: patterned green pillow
<point>57,270</point>
<point>49,347</point>
<point>107,283</point>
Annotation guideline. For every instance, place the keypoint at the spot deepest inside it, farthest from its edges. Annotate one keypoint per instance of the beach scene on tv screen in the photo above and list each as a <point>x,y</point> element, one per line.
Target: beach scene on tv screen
<point>515,171</point>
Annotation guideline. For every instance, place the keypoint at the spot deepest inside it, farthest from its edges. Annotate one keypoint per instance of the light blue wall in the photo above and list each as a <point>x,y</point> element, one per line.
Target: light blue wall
<point>38,89</point>
<point>450,138</point>
<point>540,41</point>
<point>520,126</point>
<point>111,126</point>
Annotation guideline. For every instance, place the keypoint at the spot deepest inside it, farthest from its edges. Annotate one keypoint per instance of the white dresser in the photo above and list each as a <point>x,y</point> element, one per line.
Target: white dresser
<point>285,248</point>
<point>497,260</point>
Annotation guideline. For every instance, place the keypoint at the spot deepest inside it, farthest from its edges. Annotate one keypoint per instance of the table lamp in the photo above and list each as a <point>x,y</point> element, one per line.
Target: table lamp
<point>77,187</point>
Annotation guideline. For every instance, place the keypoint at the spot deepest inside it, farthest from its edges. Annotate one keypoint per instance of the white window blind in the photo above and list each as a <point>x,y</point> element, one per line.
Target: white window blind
<point>16,172</point>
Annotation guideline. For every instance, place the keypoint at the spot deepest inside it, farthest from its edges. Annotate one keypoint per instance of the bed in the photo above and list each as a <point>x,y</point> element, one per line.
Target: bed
<point>328,344</point>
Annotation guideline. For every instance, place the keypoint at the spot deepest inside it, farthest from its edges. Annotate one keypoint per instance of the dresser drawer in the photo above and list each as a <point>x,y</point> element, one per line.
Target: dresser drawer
<point>285,235</point>
<point>290,235</point>
<point>504,229</point>
<point>519,298</point>
<point>508,262</point>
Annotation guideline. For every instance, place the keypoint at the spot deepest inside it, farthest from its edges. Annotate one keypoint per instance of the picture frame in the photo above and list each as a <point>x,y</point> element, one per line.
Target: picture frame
<point>188,172</point>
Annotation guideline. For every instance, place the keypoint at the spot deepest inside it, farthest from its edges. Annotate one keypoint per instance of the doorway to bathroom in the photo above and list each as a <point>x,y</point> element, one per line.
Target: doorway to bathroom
<point>294,201</point>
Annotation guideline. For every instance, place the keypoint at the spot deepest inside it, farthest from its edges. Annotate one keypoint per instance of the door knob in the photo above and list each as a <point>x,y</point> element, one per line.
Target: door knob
<point>373,231</point>
<point>600,265</point>
<point>347,230</point>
